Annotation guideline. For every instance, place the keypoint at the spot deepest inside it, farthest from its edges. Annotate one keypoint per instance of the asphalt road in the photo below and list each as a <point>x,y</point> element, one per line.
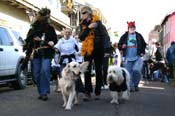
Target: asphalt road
<point>153,99</point>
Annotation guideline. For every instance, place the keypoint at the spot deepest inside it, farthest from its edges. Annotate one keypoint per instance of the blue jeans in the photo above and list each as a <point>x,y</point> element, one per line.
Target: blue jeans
<point>134,68</point>
<point>41,74</point>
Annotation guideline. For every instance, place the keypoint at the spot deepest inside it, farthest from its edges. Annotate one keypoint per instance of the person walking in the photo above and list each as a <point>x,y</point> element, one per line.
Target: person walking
<point>95,45</point>
<point>132,46</point>
<point>68,48</point>
<point>41,39</point>
<point>170,57</point>
<point>159,63</point>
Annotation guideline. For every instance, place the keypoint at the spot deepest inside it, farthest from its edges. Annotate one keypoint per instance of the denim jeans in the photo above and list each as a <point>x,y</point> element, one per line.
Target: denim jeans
<point>134,68</point>
<point>41,74</point>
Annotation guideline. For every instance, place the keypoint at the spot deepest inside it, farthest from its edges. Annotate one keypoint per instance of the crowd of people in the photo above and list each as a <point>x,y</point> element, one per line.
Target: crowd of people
<point>50,54</point>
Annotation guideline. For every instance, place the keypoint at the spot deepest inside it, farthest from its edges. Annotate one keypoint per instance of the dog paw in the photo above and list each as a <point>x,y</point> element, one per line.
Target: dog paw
<point>75,102</point>
<point>68,108</point>
<point>64,105</point>
<point>114,102</point>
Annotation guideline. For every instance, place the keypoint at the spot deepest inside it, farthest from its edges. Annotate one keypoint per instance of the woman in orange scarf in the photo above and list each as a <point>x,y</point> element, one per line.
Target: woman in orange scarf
<point>95,43</point>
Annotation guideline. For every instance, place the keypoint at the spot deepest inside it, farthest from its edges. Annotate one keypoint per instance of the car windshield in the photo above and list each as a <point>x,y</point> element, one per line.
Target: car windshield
<point>18,37</point>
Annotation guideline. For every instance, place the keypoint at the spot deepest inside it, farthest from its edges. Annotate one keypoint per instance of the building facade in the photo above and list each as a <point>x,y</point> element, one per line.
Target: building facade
<point>15,14</point>
<point>154,35</point>
<point>168,30</point>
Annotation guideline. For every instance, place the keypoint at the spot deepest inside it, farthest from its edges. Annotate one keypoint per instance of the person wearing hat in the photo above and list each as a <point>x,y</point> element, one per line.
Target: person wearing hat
<point>40,41</point>
<point>132,46</point>
<point>95,45</point>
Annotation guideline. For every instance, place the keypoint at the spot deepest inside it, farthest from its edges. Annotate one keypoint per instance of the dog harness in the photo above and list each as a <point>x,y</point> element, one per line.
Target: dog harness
<point>119,88</point>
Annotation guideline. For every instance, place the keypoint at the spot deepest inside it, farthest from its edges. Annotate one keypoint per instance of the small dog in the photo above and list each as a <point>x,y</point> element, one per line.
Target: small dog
<point>118,79</point>
<point>70,73</point>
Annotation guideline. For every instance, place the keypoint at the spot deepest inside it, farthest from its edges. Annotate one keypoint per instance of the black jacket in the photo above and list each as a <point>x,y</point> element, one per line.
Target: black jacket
<point>141,44</point>
<point>159,54</point>
<point>102,39</point>
<point>38,29</point>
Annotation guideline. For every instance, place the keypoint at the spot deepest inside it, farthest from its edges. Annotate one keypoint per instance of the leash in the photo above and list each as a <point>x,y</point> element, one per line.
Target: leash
<point>116,107</point>
<point>36,49</point>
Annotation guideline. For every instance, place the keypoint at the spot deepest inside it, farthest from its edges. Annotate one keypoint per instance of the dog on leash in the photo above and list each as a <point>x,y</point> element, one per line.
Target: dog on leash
<point>70,73</point>
<point>118,79</point>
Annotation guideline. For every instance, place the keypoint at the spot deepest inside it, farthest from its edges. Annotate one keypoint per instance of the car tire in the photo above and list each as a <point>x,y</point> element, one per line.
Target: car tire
<point>21,79</point>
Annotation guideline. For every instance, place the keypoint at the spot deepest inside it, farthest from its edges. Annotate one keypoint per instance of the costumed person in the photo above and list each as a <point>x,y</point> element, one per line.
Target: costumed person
<point>95,45</point>
<point>68,47</point>
<point>41,38</point>
<point>132,46</point>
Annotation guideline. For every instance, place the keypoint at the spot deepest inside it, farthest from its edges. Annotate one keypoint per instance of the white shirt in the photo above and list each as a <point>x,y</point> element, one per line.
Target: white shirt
<point>78,56</point>
<point>66,47</point>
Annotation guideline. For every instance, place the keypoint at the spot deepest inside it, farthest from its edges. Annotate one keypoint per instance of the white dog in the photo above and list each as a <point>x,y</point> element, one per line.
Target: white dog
<point>70,73</point>
<point>118,79</point>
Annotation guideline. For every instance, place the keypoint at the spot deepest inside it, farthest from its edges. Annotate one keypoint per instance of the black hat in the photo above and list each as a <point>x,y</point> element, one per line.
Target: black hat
<point>44,12</point>
<point>157,43</point>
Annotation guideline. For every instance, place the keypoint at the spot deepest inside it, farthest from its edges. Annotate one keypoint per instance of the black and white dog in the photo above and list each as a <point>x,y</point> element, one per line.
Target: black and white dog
<point>118,79</point>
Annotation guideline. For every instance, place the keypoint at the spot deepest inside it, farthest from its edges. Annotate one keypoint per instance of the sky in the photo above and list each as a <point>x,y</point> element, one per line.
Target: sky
<point>145,13</point>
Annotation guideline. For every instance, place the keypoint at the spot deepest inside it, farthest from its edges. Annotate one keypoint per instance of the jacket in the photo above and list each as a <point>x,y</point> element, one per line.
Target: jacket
<point>50,35</point>
<point>101,40</point>
<point>141,44</point>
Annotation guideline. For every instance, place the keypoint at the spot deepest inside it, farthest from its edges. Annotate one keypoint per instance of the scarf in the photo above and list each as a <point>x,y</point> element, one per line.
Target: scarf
<point>88,43</point>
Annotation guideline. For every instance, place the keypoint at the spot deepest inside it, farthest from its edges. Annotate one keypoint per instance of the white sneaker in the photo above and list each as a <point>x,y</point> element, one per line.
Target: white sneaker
<point>102,87</point>
<point>106,87</point>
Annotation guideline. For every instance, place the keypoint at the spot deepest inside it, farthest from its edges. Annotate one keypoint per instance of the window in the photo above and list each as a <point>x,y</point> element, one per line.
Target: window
<point>18,37</point>
<point>4,37</point>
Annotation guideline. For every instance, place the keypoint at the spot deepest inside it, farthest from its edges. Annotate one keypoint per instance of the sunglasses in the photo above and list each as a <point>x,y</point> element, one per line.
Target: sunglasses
<point>84,12</point>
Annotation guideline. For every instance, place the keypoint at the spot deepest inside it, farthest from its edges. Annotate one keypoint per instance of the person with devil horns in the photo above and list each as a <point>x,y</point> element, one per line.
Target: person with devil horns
<point>132,46</point>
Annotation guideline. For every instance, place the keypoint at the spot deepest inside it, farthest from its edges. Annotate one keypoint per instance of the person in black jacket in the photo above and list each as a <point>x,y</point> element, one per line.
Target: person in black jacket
<point>159,63</point>
<point>95,45</point>
<point>40,41</point>
<point>132,47</point>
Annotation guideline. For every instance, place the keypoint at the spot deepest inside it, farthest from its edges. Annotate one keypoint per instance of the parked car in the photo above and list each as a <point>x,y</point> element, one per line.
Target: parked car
<point>11,57</point>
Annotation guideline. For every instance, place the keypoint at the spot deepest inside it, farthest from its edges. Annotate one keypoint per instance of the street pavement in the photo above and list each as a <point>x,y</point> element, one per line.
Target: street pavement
<point>153,99</point>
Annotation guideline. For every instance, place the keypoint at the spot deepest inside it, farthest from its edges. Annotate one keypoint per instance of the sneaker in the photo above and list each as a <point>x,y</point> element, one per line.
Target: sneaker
<point>58,90</point>
<point>97,97</point>
<point>106,87</point>
<point>45,98</point>
<point>132,90</point>
<point>40,97</point>
<point>102,87</point>
<point>136,88</point>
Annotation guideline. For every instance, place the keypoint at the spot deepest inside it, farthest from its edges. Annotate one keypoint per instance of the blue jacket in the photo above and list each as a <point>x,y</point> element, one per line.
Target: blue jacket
<point>169,56</point>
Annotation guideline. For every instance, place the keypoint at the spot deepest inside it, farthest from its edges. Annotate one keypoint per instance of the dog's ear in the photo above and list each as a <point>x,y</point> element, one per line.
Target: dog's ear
<point>67,68</point>
<point>84,66</point>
